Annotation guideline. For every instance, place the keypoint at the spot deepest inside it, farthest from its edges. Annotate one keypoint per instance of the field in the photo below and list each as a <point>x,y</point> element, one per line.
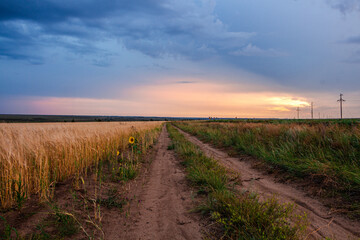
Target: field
<point>222,179</point>
<point>33,157</point>
<point>26,118</point>
<point>326,153</point>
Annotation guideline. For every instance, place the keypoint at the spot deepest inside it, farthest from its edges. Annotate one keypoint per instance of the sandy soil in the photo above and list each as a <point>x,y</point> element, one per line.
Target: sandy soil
<point>323,222</point>
<point>162,205</point>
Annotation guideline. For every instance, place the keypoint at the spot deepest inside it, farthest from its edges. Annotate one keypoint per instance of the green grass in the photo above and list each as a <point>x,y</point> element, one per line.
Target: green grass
<point>113,200</point>
<point>171,147</point>
<point>9,232</point>
<point>311,122</point>
<point>62,224</point>
<point>65,224</point>
<point>241,215</point>
<point>125,167</point>
<point>328,153</point>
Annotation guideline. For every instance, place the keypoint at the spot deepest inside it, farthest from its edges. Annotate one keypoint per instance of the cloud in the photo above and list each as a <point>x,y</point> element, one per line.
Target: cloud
<point>157,28</point>
<point>205,98</point>
<point>199,99</point>
<point>24,40</point>
<point>288,101</point>
<point>185,82</point>
<point>279,109</point>
<point>65,106</point>
<point>345,6</point>
<point>353,40</point>
<point>59,11</point>
<point>354,58</point>
<point>252,50</point>
<point>16,44</point>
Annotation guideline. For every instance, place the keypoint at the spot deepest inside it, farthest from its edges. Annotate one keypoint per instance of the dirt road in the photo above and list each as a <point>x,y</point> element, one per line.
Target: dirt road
<point>162,204</point>
<point>323,223</point>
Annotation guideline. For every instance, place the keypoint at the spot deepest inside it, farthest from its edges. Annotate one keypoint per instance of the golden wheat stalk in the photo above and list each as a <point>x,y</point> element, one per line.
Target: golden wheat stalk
<point>35,155</point>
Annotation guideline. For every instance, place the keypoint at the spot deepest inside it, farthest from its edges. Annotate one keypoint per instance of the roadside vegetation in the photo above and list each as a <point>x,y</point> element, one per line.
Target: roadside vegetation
<point>310,122</point>
<point>240,215</point>
<point>89,162</point>
<point>325,153</point>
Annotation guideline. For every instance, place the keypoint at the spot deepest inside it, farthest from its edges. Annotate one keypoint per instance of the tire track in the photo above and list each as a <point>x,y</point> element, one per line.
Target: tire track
<point>162,208</point>
<point>322,222</point>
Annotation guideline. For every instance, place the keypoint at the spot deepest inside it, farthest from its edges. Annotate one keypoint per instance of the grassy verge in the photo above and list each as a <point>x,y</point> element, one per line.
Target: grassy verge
<point>326,154</point>
<point>241,215</point>
<point>309,122</point>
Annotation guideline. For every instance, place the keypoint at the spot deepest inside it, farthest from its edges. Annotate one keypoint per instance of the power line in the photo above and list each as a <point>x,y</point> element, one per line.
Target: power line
<point>312,110</point>
<point>341,100</point>
<point>298,112</point>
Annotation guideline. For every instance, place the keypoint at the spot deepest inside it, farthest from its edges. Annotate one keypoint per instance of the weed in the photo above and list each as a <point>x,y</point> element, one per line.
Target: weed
<point>325,152</point>
<point>58,224</point>
<point>42,234</point>
<point>242,215</point>
<point>126,170</point>
<point>65,223</point>
<point>19,192</point>
<point>171,147</point>
<point>112,200</point>
<point>8,231</point>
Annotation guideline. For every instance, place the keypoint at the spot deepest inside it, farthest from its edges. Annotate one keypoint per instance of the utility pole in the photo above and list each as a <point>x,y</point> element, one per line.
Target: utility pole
<point>298,112</point>
<point>341,100</point>
<point>312,110</point>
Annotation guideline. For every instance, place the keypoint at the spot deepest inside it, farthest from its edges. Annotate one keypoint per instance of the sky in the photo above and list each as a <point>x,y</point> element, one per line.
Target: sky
<point>188,58</point>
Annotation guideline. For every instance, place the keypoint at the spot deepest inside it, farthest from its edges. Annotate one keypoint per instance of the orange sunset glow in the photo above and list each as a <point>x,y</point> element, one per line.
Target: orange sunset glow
<point>182,59</point>
<point>180,119</point>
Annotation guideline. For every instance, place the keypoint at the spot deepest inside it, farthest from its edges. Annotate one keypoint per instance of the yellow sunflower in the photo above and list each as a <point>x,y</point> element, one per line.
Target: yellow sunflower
<point>131,140</point>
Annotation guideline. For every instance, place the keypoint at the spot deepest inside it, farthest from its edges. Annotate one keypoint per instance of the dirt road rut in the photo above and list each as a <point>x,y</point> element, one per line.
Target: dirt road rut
<point>322,222</point>
<point>163,202</point>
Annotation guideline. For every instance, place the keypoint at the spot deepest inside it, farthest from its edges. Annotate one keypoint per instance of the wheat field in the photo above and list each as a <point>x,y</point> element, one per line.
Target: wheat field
<point>34,156</point>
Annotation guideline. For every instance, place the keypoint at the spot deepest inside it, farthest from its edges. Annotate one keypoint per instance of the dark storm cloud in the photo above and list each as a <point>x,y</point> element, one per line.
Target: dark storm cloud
<point>23,40</point>
<point>58,11</point>
<point>14,44</point>
<point>155,28</point>
<point>345,6</point>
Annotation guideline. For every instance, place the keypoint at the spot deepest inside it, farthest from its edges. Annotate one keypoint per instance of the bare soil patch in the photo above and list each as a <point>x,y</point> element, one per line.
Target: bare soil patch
<point>164,202</point>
